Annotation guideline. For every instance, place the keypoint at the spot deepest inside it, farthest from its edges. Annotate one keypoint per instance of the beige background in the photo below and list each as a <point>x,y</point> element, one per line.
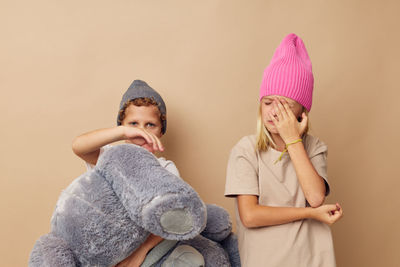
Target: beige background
<point>65,64</point>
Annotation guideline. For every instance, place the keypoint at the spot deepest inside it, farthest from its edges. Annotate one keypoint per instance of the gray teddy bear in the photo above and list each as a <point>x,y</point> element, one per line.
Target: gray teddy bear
<point>109,211</point>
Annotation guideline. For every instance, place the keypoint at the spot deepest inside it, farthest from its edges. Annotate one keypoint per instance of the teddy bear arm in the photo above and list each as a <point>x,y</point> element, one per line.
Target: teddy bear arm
<point>152,196</point>
<point>49,251</point>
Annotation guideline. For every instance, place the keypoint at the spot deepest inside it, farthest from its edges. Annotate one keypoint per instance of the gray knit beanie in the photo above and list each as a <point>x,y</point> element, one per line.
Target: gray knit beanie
<point>140,89</point>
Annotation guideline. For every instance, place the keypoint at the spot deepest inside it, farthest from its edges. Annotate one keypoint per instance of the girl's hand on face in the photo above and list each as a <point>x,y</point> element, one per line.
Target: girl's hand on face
<point>286,122</point>
<point>328,214</point>
<point>303,123</point>
<point>141,137</point>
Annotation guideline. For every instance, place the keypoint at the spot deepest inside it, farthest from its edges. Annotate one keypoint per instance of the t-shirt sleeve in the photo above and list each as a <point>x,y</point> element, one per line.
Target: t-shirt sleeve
<point>171,167</point>
<point>90,166</point>
<point>242,170</point>
<point>318,153</point>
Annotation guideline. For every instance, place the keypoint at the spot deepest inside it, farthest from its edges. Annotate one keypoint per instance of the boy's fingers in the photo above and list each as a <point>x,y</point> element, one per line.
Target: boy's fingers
<point>147,137</point>
<point>157,145</point>
<point>150,139</point>
<point>160,145</point>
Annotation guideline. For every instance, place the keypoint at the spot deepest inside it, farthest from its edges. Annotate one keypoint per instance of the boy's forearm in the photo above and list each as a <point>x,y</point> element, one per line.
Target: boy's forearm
<point>138,256</point>
<point>87,145</point>
<point>151,242</point>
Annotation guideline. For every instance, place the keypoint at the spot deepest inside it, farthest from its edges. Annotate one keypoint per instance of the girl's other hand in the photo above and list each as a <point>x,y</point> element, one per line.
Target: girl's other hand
<point>328,214</point>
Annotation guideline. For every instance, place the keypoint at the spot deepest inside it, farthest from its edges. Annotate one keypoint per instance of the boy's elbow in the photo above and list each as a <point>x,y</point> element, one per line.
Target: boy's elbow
<point>75,147</point>
<point>78,149</point>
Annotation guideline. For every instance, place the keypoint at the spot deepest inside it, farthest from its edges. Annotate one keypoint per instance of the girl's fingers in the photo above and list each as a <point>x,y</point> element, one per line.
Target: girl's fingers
<point>339,208</point>
<point>331,207</point>
<point>288,110</point>
<point>336,216</point>
<point>282,110</point>
<point>304,122</point>
<point>272,117</point>
<point>278,111</point>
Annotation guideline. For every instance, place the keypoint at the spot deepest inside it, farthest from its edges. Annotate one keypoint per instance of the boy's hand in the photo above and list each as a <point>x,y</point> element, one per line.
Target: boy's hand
<point>328,214</point>
<point>134,260</point>
<point>143,138</point>
<point>286,122</point>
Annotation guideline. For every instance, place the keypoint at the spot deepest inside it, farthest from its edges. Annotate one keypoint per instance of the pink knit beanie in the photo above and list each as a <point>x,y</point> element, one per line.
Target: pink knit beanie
<point>290,73</point>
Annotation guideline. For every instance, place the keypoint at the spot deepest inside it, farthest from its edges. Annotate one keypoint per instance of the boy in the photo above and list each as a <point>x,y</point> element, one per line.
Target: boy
<point>141,121</point>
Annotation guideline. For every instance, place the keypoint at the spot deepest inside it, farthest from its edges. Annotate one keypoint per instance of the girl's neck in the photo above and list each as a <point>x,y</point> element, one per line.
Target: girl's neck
<point>280,144</point>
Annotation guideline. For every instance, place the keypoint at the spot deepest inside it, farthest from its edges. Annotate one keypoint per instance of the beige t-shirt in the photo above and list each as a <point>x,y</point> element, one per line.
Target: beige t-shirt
<point>304,243</point>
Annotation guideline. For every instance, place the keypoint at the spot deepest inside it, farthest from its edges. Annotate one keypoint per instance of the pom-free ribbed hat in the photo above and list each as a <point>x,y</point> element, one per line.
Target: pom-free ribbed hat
<point>140,89</point>
<point>289,73</point>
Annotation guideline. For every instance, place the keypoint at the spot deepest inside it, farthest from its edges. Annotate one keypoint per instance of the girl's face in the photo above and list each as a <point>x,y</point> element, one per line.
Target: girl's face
<point>267,105</point>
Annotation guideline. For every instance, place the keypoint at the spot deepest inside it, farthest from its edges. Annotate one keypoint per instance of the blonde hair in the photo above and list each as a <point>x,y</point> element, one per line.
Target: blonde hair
<point>264,139</point>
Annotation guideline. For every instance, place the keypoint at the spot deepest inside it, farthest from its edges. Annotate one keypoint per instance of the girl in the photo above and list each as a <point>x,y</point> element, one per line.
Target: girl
<point>279,177</point>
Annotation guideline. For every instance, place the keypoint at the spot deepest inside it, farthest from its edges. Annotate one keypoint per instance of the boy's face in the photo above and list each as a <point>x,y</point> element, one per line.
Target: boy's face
<point>144,117</point>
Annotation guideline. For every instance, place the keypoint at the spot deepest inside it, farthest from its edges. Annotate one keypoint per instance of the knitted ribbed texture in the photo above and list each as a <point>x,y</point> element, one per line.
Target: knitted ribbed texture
<point>289,73</point>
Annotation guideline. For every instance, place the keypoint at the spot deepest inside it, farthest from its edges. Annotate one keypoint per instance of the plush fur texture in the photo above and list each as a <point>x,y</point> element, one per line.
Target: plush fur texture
<point>213,253</point>
<point>218,225</point>
<point>108,212</point>
<point>230,244</point>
